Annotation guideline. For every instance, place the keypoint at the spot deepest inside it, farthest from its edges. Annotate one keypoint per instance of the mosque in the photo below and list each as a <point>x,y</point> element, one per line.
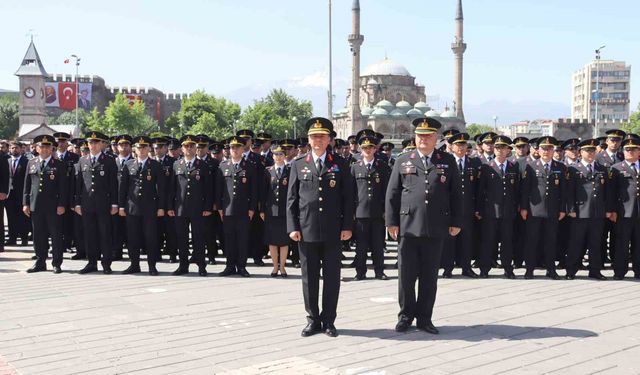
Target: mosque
<point>386,97</point>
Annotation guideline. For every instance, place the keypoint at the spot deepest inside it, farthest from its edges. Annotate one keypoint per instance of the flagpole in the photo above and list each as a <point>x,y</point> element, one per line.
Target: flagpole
<point>330,69</point>
<point>77,87</point>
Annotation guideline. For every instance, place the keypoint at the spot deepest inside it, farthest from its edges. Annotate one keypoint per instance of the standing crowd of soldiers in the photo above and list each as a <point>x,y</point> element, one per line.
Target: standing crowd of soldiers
<point>547,205</point>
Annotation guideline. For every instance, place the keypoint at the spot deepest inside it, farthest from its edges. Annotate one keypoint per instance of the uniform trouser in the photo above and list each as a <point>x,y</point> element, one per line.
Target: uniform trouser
<point>627,232</point>
<point>17,221</point>
<point>476,240</point>
<point>78,232</point>
<point>119,233</point>
<point>496,231</point>
<point>45,225</point>
<point>197,236</point>
<point>418,258</point>
<point>562,243</point>
<point>68,229</point>
<point>585,234</point>
<point>257,246</point>
<point>97,235</point>
<point>294,251</point>
<point>458,249</point>
<point>608,241</point>
<point>236,240</point>
<point>370,234</point>
<point>167,235</point>
<point>218,229</point>
<point>519,241</point>
<point>313,257</point>
<point>142,233</point>
<point>2,224</point>
<point>541,238</point>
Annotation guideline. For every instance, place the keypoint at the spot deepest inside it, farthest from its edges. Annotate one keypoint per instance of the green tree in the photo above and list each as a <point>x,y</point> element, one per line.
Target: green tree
<point>94,120</point>
<point>9,116</point>
<point>69,118</point>
<point>274,114</point>
<point>208,114</point>
<point>633,126</point>
<point>120,117</point>
<point>475,129</point>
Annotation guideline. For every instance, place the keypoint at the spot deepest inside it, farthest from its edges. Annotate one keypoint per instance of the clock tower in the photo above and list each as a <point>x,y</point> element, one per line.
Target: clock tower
<point>32,88</point>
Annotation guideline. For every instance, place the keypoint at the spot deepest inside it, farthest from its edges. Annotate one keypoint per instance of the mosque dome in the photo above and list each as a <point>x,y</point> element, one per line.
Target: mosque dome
<point>386,105</point>
<point>372,82</point>
<point>366,111</point>
<point>432,113</point>
<point>397,113</point>
<point>448,114</point>
<point>422,107</point>
<point>380,112</point>
<point>386,67</point>
<point>403,105</point>
<point>414,112</point>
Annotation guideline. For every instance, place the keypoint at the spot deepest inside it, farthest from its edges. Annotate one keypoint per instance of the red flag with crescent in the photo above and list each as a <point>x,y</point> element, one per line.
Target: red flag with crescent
<point>67,95</point>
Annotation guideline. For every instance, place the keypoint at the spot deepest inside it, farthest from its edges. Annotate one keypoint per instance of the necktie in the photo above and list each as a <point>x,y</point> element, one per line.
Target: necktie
<point>278,172</point>
<point>368,167</point>
<point>546,168</point>
<point>93,160</point>
<point>460,165</point>
<point>319,164</point>
<point>590,169</point>
<point>188,165</point>
<point>13,167</point>
<point>502,170</point>
<point>235,166</point>
<point>633,166</point>
<point>42,166</point>
<point>121,163</point>
<point>425,161</point>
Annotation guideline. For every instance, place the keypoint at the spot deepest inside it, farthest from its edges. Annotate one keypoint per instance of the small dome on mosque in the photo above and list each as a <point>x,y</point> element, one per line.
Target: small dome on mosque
<point>366,111</point>
<point>448,114</point>
<point>386,67</point>
<point>414,112</point>
<point>403,105</point>
<point>432,113</point>
<point>398,113</point>
<point>372,82</point>
<point>422,107</point>
<point>380,112</point>
<point>386,105</point>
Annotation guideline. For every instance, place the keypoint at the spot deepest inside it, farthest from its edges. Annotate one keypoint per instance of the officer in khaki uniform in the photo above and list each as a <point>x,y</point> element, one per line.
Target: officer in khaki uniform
<point>142,199</point>
<point>423,207</point>
<point>45,200</point>
<point>319,216</point>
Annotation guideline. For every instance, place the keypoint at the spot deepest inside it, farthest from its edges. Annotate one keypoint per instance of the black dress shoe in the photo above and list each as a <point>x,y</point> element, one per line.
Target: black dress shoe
<point>24,242</point>
<point>509,275</point>
<point>528,275</point>
<point>37,268</point>
<point>311,329</point>
<point>173,259</point>
<point>470,273</point>
<point>258,262</point>
<point>284,274</point>
<point>330,330</point>
<point>57,269</point>
<point>359,277</point>
<point>402,325</point>
<point>484,275</point>
<point>34,257</point>
<point>181,271</point>
<point>134,268</point>
<point>428,327</point>
<point>202,271</point>
<point>212,261</point>
<point>296,265</point>
<point>274,274</point>
<point>107,270</point>
<point>88,269</point>
<point>228,271</point>
<point>570,276</point>
<point>382,276</point>
<point>78,257</point>
<point>243,272</point>
<point>552,275</point>
<point>597,276</point>
<point>1,249</point>
<point>617,277</point>
<point>447,274</point>
<point>153,271</point>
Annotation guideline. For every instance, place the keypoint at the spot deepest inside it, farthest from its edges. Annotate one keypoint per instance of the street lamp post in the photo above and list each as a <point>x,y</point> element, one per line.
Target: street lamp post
<point>495,124</point>
<point>77,59</point>
<point>295,123</point>
<point>597,94</point>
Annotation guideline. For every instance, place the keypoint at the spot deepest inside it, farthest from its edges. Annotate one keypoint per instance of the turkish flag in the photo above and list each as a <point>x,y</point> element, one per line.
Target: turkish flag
<point>67,95</point>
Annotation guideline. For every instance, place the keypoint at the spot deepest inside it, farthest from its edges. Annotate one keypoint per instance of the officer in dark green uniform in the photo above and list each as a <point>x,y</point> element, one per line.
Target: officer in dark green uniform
<point>166,225</point>
<point>45,200</point>
<point>319,215</point>
<point>142,200</point>
<point>423,207</point>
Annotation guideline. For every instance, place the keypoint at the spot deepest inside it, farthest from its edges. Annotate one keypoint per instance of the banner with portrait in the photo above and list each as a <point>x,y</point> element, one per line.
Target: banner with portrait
<point>51,94</point>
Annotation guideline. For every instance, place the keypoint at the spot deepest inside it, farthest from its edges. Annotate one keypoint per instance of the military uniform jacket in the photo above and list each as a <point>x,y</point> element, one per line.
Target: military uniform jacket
<point>238,187</point>
<point>469,179</point>
<point>46,190</point>
<point>70,160</point>
<point>605,160</point>
<point>498,194</point>
<point>191,190</point>
<point>96,184</point>
<point>626,190</point>
<point>320,203</point>
<point>587,194</point>
<point>276,201</point>
<point>370,188</point>
<point>424,201</point>
<point>121,165</point>
<point>142,188</point>
<point>166,164</point>
<point>544,194</point>
<point>17,178</point>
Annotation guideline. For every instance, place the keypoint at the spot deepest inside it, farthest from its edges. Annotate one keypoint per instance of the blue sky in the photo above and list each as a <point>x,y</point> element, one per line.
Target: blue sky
<point>519,52</point>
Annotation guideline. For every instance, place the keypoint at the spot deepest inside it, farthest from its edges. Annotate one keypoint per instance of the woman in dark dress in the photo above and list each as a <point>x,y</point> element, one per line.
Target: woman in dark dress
<point>275,211</point>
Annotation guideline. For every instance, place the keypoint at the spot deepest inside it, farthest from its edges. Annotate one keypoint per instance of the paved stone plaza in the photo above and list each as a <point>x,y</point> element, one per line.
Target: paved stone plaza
<point>115,324</point>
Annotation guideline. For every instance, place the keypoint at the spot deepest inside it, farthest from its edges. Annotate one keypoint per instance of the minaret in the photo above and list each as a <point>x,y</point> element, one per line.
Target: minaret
<point>458,47</point>
<point>355,40</point>
<point>32,75</point>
